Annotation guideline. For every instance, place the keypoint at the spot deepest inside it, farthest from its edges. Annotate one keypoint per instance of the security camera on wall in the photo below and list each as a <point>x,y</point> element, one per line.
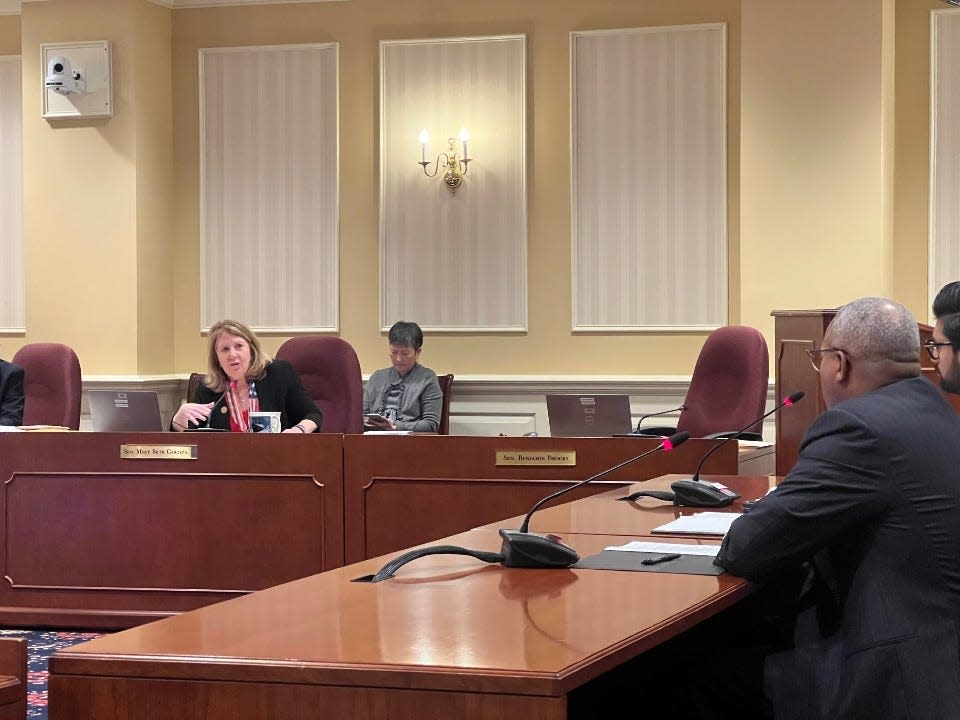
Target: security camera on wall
<point>63,78</point>
<point>76,79</point>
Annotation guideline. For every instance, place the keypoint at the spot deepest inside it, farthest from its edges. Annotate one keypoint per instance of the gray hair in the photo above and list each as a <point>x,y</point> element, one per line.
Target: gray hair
<point>875,328</point>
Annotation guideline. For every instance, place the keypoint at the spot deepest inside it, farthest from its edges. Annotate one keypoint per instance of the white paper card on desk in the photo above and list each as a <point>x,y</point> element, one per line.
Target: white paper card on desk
<point>753,443</point>
<point>666,548</point>
<point>702,523</point>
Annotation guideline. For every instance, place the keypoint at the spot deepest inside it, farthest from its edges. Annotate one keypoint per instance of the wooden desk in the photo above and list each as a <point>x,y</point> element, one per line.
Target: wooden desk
<point>448,637</point>
<point>91,539</point>
<point>401,491</point>
<point>757,460</point>
<point>604,514</point>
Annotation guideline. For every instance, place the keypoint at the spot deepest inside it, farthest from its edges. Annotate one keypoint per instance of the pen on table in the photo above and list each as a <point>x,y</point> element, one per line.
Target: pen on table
<point>659,559</point>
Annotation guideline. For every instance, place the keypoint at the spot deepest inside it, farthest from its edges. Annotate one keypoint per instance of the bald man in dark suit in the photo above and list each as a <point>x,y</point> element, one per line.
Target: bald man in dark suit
<point>872,509</point>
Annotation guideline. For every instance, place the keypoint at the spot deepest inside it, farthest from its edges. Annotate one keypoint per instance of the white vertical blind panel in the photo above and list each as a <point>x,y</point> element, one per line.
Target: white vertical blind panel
<point>944,151</point>
<point>12,316</point>
<point>269,198</point>
<point>454,262</point>
<point>649,179</point>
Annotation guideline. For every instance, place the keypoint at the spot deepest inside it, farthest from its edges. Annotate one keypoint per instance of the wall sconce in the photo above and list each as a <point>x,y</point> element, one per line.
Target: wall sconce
<point>455,168</point>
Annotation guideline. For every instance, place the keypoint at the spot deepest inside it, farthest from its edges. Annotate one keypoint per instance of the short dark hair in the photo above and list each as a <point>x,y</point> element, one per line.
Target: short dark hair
<point>946,308</point>
<point>406,334</point>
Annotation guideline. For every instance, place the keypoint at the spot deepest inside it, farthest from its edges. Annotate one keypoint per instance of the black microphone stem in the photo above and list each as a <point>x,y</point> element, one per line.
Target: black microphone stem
<point>789,400</point>
<point>668,443</point>
<point>662,412</point>
<point>210,415</point>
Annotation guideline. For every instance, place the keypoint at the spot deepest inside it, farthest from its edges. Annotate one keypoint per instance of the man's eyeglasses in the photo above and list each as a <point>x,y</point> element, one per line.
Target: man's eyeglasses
<point>933,348</point>
<point>816,356</point>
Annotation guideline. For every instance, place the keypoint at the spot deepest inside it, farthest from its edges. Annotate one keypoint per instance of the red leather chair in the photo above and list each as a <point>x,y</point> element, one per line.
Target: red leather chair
<point>193,385</point>
<point>728,388</point>
<point>330,371</point>
<point>51,384</point>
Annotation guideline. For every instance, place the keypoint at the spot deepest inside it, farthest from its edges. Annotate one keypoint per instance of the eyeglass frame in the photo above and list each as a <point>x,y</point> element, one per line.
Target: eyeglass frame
<point>813,353</point>
<point>933,348</point>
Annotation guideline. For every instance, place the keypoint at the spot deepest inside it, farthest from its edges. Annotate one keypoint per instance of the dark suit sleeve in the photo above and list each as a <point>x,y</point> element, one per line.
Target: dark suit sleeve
<point>837,483</point>
<point>11,405</point>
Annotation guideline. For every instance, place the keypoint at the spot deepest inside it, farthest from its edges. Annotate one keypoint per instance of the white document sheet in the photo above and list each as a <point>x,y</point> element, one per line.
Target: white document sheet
<point>667,548</point>
<point>701,523</point>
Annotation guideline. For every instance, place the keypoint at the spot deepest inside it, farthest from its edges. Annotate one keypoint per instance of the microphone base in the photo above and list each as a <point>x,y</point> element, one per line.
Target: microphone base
<point>699,493</point>
<point>532,550</point>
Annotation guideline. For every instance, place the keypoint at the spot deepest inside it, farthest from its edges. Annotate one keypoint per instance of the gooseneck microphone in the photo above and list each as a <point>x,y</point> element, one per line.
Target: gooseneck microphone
<point>691,491</point>
<point>788,401</point>
<point>205,425</point>
<point>682,408</point>
<point>521,548</point>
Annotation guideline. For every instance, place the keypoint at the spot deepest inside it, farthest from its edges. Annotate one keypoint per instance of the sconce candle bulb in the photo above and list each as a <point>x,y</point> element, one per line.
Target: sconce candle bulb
<point>456,167</point>
<point>423,145</point>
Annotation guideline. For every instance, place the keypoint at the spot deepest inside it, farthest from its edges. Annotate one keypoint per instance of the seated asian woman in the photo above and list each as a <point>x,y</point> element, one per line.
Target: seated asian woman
<point>242,378</point>
<point>406,395</point>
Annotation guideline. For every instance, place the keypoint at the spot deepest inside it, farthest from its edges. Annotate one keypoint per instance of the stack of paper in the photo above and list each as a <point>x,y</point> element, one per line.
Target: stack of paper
<point>666,548</point>
<point>701,523</point>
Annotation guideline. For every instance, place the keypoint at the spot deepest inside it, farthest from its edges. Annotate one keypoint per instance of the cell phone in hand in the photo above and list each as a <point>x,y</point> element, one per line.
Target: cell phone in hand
<point>376,417</point>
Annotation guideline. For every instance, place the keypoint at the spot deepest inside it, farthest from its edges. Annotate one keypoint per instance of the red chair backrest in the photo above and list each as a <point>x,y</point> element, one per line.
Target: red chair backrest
<point>728,388</point>
<point>52,386</point>
<point>330,371</point>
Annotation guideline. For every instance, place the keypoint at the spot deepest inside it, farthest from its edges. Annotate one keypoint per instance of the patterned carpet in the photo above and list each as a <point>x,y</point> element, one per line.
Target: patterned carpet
<point>41,644</point>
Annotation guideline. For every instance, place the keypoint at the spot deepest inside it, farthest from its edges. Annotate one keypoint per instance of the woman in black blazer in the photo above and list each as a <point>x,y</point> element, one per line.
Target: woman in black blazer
<point>242,379</point>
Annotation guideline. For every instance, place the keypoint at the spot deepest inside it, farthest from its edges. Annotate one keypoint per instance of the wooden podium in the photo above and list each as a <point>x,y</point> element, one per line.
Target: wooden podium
<point>795,332</point>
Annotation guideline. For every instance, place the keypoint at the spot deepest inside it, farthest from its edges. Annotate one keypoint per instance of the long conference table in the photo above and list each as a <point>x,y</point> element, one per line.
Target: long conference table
<point>448,636</point>
<point>111,530</point>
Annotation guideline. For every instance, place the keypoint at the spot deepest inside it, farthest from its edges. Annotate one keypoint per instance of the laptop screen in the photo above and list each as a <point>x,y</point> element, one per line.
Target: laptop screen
<point>125,411</point>
<point>589,415</point>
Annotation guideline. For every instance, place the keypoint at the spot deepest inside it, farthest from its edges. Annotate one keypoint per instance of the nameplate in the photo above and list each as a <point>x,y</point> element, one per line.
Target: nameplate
<point>158,452</point>
<point>548,458</point>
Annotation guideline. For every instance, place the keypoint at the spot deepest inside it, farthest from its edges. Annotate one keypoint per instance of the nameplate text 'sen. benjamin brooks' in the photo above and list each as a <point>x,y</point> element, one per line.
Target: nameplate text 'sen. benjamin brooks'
<point>558,458</point>
<point>158,452</point>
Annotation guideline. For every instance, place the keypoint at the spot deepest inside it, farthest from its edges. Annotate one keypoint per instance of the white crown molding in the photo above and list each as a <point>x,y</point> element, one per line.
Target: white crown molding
<point>178,4</point>
<point>15,7</point>
<point>10,7</point>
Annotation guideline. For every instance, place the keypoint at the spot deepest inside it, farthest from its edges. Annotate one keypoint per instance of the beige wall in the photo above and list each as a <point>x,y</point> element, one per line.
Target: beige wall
<point>152,64</point>
<point>912,153</point>
<point>549,346</point>
<point>813,220</point>
<point>814,231</point>
<point>9,34</point>
<point>97,193</point>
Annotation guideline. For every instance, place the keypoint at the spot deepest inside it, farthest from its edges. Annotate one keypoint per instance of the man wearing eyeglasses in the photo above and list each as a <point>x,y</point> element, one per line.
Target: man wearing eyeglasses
<point>946,336</point>
<point>872,511</point>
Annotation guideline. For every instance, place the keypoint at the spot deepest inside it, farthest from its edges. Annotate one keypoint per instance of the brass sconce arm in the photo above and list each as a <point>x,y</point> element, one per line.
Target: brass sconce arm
<point>455,168</point>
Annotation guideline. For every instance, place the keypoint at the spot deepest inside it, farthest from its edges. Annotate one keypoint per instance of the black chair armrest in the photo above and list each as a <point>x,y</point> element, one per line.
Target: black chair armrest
<point>655,431</point>
<point>730,433</point>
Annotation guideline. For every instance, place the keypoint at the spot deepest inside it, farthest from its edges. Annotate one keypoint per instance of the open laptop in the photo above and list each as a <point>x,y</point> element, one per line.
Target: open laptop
<point>125,411</point>
<point>589,415</point>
